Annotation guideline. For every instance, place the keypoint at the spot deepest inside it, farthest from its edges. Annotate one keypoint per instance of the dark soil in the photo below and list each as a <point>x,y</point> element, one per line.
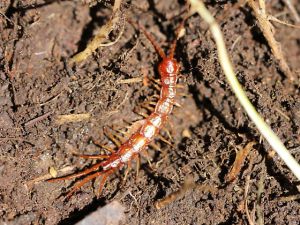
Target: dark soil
<point>38,37</point>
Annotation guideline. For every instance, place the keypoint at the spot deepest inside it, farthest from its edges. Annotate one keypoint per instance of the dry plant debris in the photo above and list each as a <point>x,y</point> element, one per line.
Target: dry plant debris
<point>239,161</point>
<point>42,84</point>
<point>52,173</point>
<point>61,119</point>
<point>293,10</point>
<point>36,120</point>
<point>188,185</point>
<point>199,7</point>
<point>245,209</point>
<point>102,35</point>
<point>268,31</point>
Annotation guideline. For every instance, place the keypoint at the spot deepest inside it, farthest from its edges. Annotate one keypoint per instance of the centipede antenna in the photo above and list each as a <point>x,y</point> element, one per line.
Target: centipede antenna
<point>143,131</point>
<point>158,49</point>
<point>177,32</point>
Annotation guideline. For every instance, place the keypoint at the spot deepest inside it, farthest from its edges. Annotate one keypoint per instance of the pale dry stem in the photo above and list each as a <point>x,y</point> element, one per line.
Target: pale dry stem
<point>292,9</point>
<point>48,176</point>
<point>102,35</point>
<point>69,118</point>
<point>267,29</point>
<point>262,126</point>
<point>259,205</point>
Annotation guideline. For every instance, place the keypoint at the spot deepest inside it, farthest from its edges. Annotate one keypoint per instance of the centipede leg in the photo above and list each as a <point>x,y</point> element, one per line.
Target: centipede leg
<point>138,165</point>
<point>130,129</point>
<point>154,97</point>
<point>164,140</point>
<point>168,133</point>
<point>79,184</point>
<point>112,138</point>
<point>142,114</point>
<point>180,86</point>
<point>103,181</point>
<point>125,133</point>
<point>183,94</point>
<point>149,103</point>
<point>178,104</point>
<point>146,155</point>
<point>79,174</point>
<point>93,156</point>
<point>148,107</point>
<point>103,146</point>
<point>118,136</point>
<point>157,81</point>
<point>156,86</point>
<point>107,148</point>
<point>155,147</point>
<point>127,171</point>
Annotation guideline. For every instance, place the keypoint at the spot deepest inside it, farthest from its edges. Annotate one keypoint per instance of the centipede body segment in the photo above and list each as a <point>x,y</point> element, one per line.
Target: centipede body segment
<point>130,149</point>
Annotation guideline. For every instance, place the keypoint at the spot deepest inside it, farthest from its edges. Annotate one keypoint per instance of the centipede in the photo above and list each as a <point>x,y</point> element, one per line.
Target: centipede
<point>138,142</point>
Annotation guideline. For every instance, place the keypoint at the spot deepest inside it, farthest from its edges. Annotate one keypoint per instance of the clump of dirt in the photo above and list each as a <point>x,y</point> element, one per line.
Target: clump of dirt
<point>38,38</point>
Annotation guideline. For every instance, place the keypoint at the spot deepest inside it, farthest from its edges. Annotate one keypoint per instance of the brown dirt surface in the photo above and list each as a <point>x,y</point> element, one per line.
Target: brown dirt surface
<point>38,37</point>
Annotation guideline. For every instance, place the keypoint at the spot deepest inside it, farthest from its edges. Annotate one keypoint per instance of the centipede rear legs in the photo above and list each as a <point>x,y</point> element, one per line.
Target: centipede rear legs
<point>139,141</point>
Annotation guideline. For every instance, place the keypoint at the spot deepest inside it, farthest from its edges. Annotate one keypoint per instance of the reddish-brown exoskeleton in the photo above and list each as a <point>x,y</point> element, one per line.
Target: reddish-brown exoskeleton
<point>129,150</point>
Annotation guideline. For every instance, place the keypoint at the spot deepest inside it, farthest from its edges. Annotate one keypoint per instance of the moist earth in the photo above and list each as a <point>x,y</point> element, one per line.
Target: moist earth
<point>37,85</point>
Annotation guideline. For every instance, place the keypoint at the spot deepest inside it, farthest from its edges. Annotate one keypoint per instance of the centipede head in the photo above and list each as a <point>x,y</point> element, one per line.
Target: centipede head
<point>168,66</point>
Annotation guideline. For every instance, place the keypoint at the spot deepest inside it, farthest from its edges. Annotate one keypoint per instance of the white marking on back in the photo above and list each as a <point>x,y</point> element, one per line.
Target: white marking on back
<point>172,93</point>
<point>170,68</point>
<point>113,164</point>
<point>166,80</point>
<point>170,80</point>
<point>156,121</point>
<point>165,107</point>
<point>138,145</point>
<point>173,80</point>
<point>149,131</point>
<point>126,157</point>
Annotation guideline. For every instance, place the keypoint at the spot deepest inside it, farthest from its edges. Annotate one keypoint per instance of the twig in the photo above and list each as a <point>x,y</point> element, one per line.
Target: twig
<point>266,28</point>
<point>102,35</point>
<point>287,198</point>
<point>292,9</point>
<point>130,80</point>
<point>47,176</point>
<point>61,119</point>
<point>260,191</point>
<point>2,14</point>
<point>247,185</point>
<point>282,113</point>
<point>188,184</point>
<point>16,139</point>
<point>36,120</point>
<point>238,162</point>
<point>273,18</point>
<point>265,130</point>
<point>250,221</point>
